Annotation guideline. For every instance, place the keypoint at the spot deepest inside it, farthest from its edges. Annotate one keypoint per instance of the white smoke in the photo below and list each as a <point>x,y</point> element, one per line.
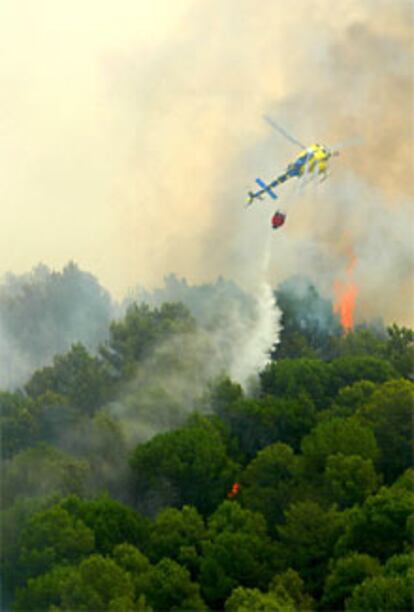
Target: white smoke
<point>257,341</point>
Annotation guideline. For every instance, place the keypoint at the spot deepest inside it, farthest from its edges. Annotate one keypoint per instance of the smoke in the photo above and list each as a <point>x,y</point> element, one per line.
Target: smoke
<point>43,312</point>
<point>235,333</point>
<point>135,135</point>
<point>254,343</point>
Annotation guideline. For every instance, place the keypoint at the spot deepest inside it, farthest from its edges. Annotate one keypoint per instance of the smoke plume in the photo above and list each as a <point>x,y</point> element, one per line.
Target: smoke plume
<point>133,136</point>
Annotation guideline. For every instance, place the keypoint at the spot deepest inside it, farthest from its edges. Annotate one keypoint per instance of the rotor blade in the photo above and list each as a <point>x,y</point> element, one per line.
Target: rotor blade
<point>277,127</point>
<point>350,142</point>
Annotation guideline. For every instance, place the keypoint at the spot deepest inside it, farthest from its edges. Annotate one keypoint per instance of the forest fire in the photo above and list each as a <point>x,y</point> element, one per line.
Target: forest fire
<point>345,296</point>
<point>234,490</point>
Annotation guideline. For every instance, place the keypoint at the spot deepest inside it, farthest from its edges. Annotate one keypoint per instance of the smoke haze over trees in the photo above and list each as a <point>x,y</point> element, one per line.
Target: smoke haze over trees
<point>118,462</point>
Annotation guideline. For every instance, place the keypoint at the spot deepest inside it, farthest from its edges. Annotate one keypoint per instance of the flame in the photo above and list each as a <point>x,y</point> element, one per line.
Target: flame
<point>345,296</point>
<point>234,490</point>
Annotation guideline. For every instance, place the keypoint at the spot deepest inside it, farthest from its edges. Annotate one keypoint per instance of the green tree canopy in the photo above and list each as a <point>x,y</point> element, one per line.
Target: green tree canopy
<point>51,537</point>
<point>43,471</point>
<point>345,574</point>
<point>243,599</point>
<point>187,466</point>
<point>134,337</point>
<point>294,378</point>
<point>270,482</point>
<point>112,523</point>
<point>349,479</point>
<point>400,349</point>
<point>179,535</point>
<point>380,527</point>
<point>308,538</point>
<point>309,327</point>
<point>382,593</point>
<point>346,436</point>
<point>390,414</point>
<point>238,552</point>
<point>168,586</point>
<point>75,375</point>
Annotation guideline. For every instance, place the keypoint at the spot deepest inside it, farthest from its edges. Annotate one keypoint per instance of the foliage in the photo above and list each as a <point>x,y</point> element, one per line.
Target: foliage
<point>390,413</point>
<point>345,574</point>
<point>270,482</point>
<point>179,535</point>
<point>52,537</point>
<point>349,479</point>
<point>238,552</point>
<point>134,337</point>
<point>111,522</point>
<point>290,584</point>
<point>309,327</point>
<point>382,593</point>
<point>346,436</point>
<point>17,424</point>
<point>187,466</point>
<point>168,586</point>
<point>308,538</point>
<point>349,369</point>
<point>400,349</point>
<point>76,375</point>
<point>309,444</point>
<point>380,526</point>
<point>45,312</point>
<point>42,471</point>
<point>253,600</point>
<point>295,378</point>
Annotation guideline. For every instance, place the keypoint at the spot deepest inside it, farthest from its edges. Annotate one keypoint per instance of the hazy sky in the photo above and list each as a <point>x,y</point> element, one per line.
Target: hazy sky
<point>131,130</point>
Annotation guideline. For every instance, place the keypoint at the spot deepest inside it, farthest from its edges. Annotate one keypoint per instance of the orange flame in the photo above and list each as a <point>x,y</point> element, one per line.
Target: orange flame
<point>234,490</point>
<point>345,296</point>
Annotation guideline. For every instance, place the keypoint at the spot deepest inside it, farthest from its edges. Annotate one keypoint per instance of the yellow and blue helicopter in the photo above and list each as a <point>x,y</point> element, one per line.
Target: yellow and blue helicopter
<point>312,161</point>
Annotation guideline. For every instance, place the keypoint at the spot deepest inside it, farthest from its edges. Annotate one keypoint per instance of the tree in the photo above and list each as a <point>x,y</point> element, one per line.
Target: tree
<point>44,591</point>
<point>76,375</point>
<point>380,527</point>
<point>345,574</point>
<point>309,327</point>
<point>363,341</point>
<point>390,413</point>
<point>290,584</point>
<point>131,559</point>
<point>351,369</point>
<point>381,593</point>
<point>256,423</point>
<point>270,482</point>
<point>51,537</point>
<point>349,479</point>
<point>349,400</point>
<point>179,535</point>
<point>238,552</point>
<point>253,600</point>
<point>346,436</point>
<point>296,378</point>
<point>168,586</point>
<point>44,312</point>
<point>187,466</point>
<point>97,583</point>
<point>18,426</point>
<point>400,349</point>
<point>12,522</point>
<point>133,338</point>
<point>42,471</point>
<point>308,538</point>
<point>112,523</point>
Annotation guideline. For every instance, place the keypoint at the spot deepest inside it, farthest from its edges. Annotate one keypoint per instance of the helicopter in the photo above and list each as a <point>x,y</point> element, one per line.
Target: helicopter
<point>312,161</point>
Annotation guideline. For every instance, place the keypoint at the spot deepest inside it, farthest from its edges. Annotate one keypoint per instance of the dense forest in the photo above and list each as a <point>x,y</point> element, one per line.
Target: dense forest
<point>138,476</point>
